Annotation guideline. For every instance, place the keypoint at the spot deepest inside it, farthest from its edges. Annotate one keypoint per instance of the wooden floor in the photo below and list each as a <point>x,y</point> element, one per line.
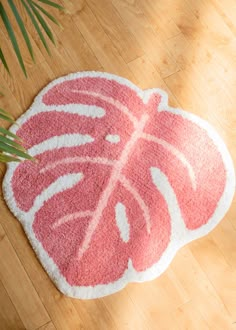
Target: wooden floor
<point>188,48</point>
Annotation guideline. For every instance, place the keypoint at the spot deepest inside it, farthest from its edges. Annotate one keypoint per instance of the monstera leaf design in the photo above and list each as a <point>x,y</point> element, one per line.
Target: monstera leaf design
<point>121,183</point>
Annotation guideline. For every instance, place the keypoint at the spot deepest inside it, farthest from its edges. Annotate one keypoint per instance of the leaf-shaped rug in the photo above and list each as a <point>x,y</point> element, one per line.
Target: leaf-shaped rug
<point>121,183</point>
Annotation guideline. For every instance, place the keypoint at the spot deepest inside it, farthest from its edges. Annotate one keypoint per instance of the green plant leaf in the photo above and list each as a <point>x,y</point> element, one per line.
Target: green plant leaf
<point>14,151</point>
<point>6,132</point>
<point>41,21</point>
<point>7,118</point>
<point>7,159</point>
<point>12,143</point>
<point>36,26</point>
<point>22,27</point>
<point>12,36</point>
<point>46,13</point>
<point>2,58</point>
<point>51,3</point>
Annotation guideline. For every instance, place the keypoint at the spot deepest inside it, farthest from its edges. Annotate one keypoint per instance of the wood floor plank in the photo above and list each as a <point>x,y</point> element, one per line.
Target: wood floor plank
<point>48,326</point>
<point>219,272</point>
<point>210,18</point>
<point>201,291</point>
<point>187,317</point>
<point>143,31</point>
<point>60,308</point>
<point>118,31</point>
<point>185,47</point>
<point>121,307</point>
<point>180,48</point>
<point>9,318</point>
<point>231,216</point>
<point>19,287</point>
<point>100,43</point>
<point>94,314</point>
<point>163,295</point>
<point>146,76</point>
<point>164,26</point>
<point>60,63</point>
<point>81,57</point>
<point>224,237</point>
<point>227,10</point>
<point>71,8</point>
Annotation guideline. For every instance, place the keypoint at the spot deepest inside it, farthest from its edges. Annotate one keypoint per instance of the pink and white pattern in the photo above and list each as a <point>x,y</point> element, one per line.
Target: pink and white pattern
<point>121,183</point>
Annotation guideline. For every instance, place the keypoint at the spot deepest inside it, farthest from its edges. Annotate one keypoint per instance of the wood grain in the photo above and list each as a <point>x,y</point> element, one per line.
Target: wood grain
<point>7,308</point>
<point>48,326</point>
<point>188,49</point>
<point>19,287</point>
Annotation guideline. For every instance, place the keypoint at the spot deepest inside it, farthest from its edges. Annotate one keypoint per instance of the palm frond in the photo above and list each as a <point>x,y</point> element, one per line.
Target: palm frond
<point>5,116</point>
<point>41,20</point>
<point>12,37</point>
<point>10,147</point>
<point>4,62</point>
<point>35,12</point>
<point>10,144</point>
<point>51,3</point>
<point>22,27</point>
<point>8,133</point>
<point>46,13</point>
<point>36,26</point>
<point>7,159</point>
<point>14,151</point>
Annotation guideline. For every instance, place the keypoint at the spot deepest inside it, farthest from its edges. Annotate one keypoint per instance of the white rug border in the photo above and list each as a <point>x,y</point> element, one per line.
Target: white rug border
<point>130,274</point>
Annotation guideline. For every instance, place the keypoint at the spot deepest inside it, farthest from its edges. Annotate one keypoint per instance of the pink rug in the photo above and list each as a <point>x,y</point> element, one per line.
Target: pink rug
<point>122,182</point>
